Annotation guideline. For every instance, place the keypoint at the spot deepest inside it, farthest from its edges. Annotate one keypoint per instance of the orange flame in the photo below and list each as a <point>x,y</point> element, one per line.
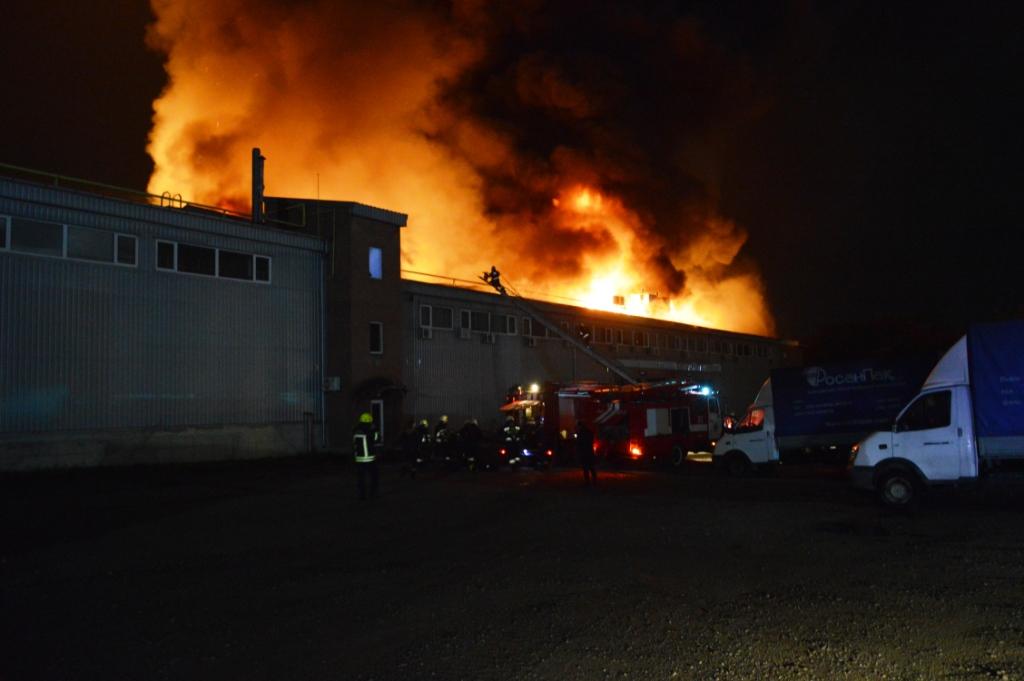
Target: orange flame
<point>348,122</point>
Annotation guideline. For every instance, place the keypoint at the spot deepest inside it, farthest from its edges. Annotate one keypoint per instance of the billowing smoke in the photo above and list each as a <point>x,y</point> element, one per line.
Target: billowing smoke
<point>571,144</point>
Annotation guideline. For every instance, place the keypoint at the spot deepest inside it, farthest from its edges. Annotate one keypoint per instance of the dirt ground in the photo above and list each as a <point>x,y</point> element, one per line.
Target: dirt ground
<point>274,570</point>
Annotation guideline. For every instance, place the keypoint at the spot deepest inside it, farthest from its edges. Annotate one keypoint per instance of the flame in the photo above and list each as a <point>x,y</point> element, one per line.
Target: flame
<point>339,116</point>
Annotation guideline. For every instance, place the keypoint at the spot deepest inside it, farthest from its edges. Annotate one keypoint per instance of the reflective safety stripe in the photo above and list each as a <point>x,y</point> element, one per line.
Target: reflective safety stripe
<point>362,448</point>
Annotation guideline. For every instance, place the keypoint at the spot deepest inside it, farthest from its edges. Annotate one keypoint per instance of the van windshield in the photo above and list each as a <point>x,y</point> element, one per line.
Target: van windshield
<point>752,421</point>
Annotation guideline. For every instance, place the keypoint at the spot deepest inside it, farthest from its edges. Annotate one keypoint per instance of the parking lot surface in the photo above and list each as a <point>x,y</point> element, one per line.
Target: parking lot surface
<point>274,570</point>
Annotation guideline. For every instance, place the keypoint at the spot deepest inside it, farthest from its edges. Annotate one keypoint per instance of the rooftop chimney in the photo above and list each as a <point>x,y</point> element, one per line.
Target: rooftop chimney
<point>257,185</point>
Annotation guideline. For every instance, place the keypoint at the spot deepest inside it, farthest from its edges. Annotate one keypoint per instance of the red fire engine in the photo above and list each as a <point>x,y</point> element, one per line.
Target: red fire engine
<point>655,423</point>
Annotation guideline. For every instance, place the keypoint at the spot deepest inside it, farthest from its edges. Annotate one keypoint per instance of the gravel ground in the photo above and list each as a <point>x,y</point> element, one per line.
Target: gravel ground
<point>273,570</point>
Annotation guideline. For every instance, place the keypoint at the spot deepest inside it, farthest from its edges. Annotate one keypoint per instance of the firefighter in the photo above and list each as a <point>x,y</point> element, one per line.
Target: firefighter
<point>442,439</point>
<point>365,440</point>
<point>421,435</point>
<point>513,436</point>
<point>585,453</point>
<point>512,432</point>
<point>470,436</point>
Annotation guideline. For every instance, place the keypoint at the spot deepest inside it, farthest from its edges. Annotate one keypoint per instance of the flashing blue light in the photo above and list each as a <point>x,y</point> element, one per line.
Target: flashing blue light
<point>705,390</point>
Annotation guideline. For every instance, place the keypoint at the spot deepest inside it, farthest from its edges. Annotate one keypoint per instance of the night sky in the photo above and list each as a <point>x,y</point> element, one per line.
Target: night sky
<point>878,178</point>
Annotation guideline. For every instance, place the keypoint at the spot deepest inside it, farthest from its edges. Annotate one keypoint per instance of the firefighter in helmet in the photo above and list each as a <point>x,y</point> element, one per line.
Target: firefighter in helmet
<point>442,439</point>
<point>365,441</point>
<point>512,433</point>
<point>423,443</point>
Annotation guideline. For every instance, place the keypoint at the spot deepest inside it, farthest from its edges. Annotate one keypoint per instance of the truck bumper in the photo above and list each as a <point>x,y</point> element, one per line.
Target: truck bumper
<point>863,477</point>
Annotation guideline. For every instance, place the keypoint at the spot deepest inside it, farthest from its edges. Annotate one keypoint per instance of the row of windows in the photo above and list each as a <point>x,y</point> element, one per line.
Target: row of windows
<point>473,321</point>
<point>99,245</point>
<point>212,262</point>
<point>67,241</point>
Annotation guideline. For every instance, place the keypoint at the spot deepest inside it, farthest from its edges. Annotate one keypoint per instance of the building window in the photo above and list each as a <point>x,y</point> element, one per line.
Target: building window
<point>231,265</point>
<point>425,316</point>
<point>675,342</point>
<point>3,232</point>
<point>262,268</point>
<point>126,250</point>
<point>210,262</point>
<point>443,317</point>
<point>165,256</point>
<point>197,260</point>
<point>464,319</point>
<point>376,263</point>
<point>504,324</point>
<point>90,244</point>
<point>40,238</point>
<point>641,339</point>
<point>480,321</point>
<point>376,338</point>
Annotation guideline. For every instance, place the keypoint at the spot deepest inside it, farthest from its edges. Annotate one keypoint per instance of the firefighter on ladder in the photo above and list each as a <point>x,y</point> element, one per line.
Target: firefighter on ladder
<point>365,439</point>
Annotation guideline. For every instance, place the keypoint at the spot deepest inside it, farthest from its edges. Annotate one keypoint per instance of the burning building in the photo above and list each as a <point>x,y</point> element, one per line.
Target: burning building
<point>160,330</point>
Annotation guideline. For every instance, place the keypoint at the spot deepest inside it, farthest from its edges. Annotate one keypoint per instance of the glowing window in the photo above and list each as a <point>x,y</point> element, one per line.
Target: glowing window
<point>376,263</point>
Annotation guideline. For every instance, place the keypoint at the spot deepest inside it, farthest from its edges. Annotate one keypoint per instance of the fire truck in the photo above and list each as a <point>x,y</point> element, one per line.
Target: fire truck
<point>656,423</point>
<point>645,423</point>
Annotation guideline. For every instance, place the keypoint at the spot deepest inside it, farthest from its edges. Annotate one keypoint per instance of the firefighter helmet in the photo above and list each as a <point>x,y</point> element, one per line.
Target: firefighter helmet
<point>444,418</point>
<point>365,417</point>
<point>424,422</point>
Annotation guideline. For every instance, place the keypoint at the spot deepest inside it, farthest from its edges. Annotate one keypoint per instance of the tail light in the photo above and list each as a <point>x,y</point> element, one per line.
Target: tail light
<point>503,451</point>
<point>548,453</point>
<point>635,451</point>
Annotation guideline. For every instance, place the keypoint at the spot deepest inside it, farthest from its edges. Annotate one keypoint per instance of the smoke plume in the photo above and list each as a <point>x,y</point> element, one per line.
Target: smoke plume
<point>571,144</point>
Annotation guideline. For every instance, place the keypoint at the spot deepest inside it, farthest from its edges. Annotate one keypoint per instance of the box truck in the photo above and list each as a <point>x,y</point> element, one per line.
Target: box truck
<point>966,423</point>
<point>817,413</point>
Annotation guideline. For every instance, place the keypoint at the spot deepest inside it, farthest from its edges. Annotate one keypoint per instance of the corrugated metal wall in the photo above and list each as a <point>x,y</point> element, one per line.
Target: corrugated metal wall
<point>467,378</point>
<point>95,346</point>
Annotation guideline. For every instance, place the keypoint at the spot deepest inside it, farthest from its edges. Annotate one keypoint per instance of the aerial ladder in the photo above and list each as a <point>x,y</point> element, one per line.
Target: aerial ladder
<point>493,279</point>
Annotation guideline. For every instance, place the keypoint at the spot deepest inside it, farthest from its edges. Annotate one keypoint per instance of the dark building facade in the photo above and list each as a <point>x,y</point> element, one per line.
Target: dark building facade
<point>134,332</point>
<point>362,293</point>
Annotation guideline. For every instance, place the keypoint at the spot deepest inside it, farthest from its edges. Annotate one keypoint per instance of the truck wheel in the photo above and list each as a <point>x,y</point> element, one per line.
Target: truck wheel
<point>737,464</point>
<point>678,457</point>
<point>898,488</point>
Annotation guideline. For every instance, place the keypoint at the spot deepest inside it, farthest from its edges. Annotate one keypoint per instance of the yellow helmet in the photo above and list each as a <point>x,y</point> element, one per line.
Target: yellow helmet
<point>424,422</point>
<point>444,418</point>
<point>365,417</point>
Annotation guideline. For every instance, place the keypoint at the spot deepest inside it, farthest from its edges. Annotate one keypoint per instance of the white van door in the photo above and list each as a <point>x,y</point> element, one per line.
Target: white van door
<point>926,434</point>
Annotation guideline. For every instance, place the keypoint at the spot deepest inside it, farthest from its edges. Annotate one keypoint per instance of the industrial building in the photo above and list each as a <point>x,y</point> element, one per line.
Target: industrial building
<point>133,332</point>
<point>139,329</point>
<point>467,346</point>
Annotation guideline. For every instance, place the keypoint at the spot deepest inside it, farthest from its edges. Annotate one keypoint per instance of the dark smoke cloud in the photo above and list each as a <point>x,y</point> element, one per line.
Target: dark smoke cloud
<point>631,100</point>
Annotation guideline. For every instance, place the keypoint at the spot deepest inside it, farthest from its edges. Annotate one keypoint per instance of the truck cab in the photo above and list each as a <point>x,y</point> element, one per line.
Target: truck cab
<point>931,441</point>
<point>751,441</point>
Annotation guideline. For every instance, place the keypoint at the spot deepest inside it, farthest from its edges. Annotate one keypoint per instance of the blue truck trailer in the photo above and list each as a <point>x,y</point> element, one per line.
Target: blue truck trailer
<point>818,413</point>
